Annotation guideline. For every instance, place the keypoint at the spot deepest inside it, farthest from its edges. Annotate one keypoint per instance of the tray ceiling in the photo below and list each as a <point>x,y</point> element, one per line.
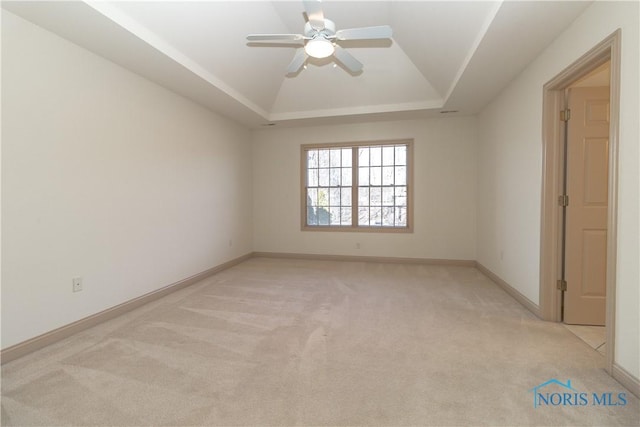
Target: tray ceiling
<point>444,55</point>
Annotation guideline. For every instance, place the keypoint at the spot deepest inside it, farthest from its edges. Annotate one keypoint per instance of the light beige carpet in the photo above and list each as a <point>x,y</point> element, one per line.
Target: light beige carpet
<point>286,342</point>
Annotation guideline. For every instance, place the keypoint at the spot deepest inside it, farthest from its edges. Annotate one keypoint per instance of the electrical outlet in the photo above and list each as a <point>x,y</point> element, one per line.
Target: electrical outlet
<point>77,284</point>
<point>357,245</point>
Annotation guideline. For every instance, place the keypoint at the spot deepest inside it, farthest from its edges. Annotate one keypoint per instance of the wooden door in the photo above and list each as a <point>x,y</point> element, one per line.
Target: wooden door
<point>586,220</point>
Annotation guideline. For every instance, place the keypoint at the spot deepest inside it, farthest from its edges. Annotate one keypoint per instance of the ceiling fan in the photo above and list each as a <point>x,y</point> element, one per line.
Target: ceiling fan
<point>321,40</point>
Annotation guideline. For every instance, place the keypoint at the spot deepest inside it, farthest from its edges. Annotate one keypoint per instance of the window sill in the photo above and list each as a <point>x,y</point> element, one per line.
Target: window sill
<point>361,229</point>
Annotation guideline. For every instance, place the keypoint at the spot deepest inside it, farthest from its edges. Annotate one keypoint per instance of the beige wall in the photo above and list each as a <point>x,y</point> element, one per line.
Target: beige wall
<point>109,177</point>
<point>444,183</point>
<point>510,169</point>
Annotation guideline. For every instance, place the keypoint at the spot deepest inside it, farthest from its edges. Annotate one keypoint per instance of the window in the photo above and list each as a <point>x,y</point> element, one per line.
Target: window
<point>357,187</point>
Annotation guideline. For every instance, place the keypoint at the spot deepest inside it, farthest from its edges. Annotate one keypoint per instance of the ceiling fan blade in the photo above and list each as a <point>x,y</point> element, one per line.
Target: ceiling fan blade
<point>315,14</point>
<point>346,59</point>
<point>297,62</point>
<point>275,37</point>
<point>365,33</point>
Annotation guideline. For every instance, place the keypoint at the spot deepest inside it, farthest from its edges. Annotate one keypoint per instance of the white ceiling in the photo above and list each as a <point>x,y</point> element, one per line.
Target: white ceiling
<point>444,55</point>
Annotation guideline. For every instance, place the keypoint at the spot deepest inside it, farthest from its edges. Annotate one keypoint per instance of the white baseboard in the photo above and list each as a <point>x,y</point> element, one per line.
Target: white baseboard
<point>18,350</point>
<point>526,302</point>
<point>626,379</point>
<point>358,258</point>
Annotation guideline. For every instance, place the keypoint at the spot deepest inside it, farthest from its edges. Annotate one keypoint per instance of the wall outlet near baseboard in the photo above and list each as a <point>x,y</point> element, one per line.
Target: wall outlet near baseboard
<point>77,284</point>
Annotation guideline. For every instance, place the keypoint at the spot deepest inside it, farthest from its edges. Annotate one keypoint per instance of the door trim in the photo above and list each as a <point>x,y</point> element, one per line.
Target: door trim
<point>552,172</point>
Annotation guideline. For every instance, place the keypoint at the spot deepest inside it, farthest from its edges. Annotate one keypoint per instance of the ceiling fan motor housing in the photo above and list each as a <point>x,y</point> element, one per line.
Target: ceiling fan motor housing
<point>328,30</point>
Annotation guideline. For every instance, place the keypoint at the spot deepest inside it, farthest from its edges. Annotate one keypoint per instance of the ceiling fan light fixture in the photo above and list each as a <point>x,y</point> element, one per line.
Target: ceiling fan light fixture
<point>321,40</point>
<point>319,47</point>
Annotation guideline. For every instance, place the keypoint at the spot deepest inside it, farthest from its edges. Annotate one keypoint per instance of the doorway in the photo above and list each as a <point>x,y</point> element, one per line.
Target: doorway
<point>602,239</point>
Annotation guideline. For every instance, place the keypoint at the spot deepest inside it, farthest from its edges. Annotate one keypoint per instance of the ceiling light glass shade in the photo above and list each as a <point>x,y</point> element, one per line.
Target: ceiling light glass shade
<point>319,48</point>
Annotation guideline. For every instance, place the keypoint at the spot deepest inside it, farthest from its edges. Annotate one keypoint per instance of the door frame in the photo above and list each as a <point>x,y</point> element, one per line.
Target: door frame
<point>552,182</point>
